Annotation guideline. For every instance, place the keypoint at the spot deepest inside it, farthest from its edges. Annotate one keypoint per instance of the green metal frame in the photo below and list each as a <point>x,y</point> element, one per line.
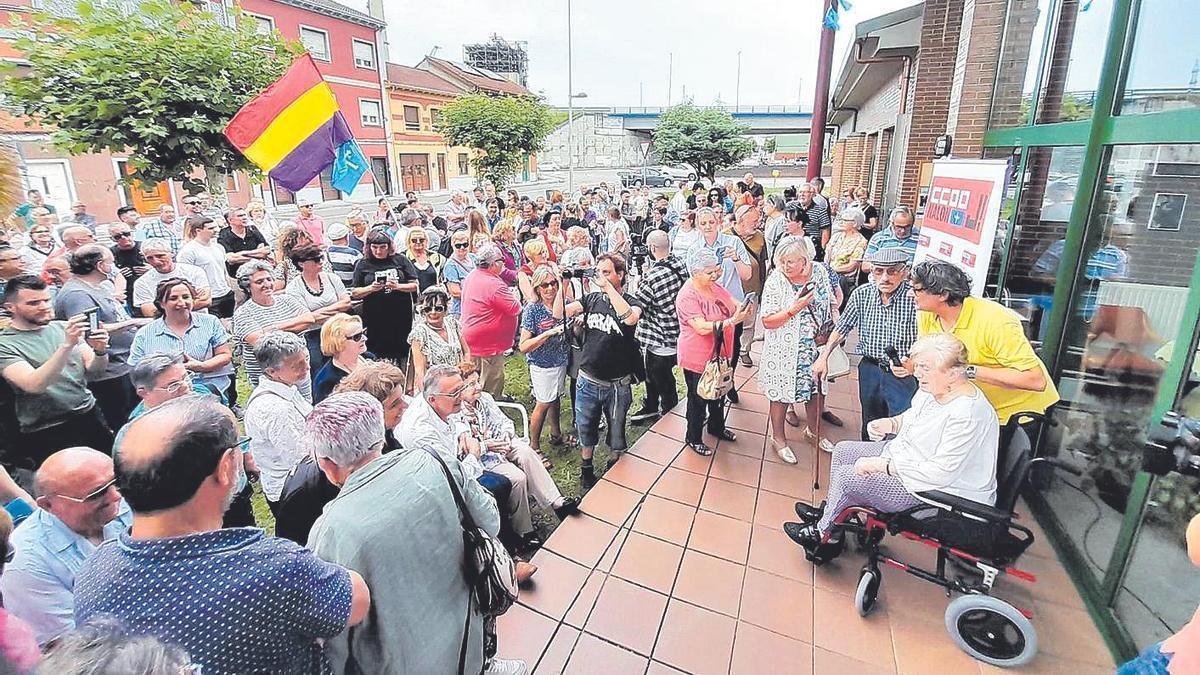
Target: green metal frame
<point>1096,135</point>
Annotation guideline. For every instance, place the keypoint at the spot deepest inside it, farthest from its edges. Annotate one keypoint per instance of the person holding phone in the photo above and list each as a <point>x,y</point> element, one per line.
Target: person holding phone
<point>737,266</point>
<point>706,309</point>
<point>386,283</point>
<point>797,300</point>
<point>544,344</point>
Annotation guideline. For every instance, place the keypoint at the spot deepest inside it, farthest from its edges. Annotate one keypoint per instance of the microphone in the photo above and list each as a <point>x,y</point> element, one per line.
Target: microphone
<point>894,355</point>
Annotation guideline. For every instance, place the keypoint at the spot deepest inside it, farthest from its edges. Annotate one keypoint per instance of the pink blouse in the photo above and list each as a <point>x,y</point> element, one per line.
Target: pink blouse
<point>695,349</point>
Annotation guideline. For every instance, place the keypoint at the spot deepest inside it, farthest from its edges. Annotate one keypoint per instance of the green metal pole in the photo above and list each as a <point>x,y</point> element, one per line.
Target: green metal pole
<point>1079,236</point>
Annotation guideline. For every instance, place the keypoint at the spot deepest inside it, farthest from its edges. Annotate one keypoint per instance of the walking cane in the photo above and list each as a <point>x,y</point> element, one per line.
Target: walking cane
<point>817,441</point>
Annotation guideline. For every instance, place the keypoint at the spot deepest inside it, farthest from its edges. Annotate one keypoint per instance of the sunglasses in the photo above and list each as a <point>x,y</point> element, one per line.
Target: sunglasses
<point>435,308</point>
<point>419,241</point>
<point>359,336</point>
<point>191,203</point>
<point>120,235</point>
<point>549,284</point>
<point>93,496</point>
<point>461,246</point>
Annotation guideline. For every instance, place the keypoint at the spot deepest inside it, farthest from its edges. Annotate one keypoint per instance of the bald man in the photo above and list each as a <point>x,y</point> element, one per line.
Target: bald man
<point>78,509</point>
<point>237,600</point>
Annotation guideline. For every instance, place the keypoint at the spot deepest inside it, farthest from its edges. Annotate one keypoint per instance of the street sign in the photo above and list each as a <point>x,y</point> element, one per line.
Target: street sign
<point>645,148</point>
<point>775,173</point>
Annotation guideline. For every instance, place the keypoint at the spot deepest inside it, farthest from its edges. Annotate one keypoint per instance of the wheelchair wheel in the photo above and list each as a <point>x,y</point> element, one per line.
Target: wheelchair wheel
<point>868,590</point>
<point>991,630</point>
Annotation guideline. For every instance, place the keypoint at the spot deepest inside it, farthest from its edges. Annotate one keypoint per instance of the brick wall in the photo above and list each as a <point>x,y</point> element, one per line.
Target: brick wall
<point>852,167</point>
<point>934,77</point>
<point>836,162</point>
<point>977,58</point>
<point>1010,85</point>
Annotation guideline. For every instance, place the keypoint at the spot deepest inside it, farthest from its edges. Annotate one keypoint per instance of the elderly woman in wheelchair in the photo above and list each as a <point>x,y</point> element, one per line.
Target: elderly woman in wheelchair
<point>946,442</point>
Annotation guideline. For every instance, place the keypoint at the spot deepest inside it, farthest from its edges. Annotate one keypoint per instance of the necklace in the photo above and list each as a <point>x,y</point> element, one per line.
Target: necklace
<point>320,286</point>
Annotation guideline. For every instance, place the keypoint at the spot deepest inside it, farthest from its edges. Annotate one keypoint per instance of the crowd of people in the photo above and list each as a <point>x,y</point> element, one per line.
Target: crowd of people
<point>375,351</point>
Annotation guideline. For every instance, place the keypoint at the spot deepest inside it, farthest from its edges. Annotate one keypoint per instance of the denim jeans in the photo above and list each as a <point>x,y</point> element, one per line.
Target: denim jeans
<point>593,399</point>
<point>882,394</point>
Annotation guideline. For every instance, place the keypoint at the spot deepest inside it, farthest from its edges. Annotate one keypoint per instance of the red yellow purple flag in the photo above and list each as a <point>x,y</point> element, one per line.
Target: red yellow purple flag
<point>293,129</point>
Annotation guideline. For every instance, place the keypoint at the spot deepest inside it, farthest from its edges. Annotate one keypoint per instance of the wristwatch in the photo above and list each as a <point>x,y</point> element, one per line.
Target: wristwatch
<point>971,372</point>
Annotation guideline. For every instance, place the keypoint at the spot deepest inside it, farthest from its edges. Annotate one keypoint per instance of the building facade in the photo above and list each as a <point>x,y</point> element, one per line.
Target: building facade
<point>1095,107</point>
<point>424,159</point>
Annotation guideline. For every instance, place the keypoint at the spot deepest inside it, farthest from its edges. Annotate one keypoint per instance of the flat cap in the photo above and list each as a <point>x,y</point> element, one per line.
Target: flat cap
<point>889,257</point>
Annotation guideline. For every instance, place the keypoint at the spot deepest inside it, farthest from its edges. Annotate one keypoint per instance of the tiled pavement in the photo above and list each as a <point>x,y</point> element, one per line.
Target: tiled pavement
<point>680,565</point>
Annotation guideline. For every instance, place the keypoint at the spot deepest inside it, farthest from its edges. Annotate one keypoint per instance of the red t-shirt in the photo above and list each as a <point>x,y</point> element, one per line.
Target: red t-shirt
<point>490,313</point>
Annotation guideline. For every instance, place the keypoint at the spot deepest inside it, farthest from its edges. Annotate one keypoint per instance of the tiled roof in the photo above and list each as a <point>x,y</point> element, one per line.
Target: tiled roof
<point>481,78</point>
<point>337,10</point>
<point>416,78</point>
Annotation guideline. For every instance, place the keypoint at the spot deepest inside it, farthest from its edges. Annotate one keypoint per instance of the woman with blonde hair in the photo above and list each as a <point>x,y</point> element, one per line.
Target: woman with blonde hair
<point>344,342</point>
<point>257,216</point>
<point>476,226</point>
<point>457,267</point>
<point>428,263</point>
<point>536,255</point>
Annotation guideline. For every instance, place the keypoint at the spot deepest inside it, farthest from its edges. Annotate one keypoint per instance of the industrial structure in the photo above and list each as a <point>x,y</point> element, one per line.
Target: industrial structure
<point>507,59</point>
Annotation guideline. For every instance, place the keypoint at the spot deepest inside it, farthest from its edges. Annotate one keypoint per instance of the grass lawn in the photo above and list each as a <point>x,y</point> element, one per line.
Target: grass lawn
<point>566,458</point>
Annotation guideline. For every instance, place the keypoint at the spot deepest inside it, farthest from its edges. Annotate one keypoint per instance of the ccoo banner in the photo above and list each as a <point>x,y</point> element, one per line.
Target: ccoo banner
<point>961,215</point>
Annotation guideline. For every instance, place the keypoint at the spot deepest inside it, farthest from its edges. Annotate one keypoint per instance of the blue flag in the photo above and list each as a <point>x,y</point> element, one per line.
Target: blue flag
<point>846,6</point>
<point>831,19</point>
<point>349,166</point>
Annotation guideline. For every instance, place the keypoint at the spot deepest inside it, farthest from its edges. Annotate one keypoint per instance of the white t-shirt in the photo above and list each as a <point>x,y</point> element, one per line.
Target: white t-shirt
<point>948,447</point>
<point>211,259</point>
<point>332,288</point>
<point>147,284</point>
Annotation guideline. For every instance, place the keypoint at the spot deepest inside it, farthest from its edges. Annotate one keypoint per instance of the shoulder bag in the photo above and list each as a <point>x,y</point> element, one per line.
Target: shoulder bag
<point>717,378</point>
<point>821,330</point>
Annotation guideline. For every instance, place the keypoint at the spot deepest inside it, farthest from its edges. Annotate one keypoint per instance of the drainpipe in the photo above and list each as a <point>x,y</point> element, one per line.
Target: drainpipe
<point>904,78</point>
<point>853,123</point>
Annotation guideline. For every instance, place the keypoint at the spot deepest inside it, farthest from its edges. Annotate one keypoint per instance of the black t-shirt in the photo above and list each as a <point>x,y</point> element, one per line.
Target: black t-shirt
<point>610,351</point>
<point>868,213</point>
<point>127,258</point>
<point>235,244</point>
<point>755,190</point>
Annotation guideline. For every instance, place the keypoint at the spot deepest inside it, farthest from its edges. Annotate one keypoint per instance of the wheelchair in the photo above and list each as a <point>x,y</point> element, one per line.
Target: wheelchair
<point>980,542</point>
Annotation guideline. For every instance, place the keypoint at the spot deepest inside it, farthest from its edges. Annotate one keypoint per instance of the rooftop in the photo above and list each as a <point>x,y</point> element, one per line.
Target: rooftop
<point>478,77</point>
<point>337,10</point>
<point>420,79</point>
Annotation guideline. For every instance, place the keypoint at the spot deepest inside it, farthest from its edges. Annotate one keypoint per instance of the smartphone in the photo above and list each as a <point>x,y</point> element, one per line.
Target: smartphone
<point>751,297</point>
<point>93,318</point>
<point>807,288</point>
<point>381,277</point>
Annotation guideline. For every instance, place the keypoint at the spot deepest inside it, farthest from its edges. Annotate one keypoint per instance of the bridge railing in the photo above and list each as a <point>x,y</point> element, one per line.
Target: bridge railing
<point>760,109</point>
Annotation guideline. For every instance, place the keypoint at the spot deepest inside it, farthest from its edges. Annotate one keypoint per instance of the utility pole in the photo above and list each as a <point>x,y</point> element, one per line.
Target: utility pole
<point>641,98</point>
<point>570,112</point>
<point>670,73</point>
<point>737,92</point>
<point>816,145</point>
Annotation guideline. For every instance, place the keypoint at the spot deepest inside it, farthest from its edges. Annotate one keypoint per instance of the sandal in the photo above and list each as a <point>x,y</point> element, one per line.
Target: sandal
<point>563,439</point>
<point>824,444</point>
<point>701,449</point>
<point>792,418</point>
<point>784,452</point>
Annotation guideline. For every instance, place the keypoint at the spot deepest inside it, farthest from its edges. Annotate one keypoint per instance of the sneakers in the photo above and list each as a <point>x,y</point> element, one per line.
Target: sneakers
<point>809,538</point>
<point>506,667</point>
<point>644,414</point>
<point>568,508</point>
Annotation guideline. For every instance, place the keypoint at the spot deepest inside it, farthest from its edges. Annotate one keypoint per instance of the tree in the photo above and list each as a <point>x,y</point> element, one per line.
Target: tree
<point>157,84</point>
<point>703,138</point>
<point>769,145</point>
<point>504,129</point>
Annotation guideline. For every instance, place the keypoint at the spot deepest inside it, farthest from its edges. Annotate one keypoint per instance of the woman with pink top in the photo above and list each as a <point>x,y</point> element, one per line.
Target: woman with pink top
<point>705,308</point>
<point>490,312</point>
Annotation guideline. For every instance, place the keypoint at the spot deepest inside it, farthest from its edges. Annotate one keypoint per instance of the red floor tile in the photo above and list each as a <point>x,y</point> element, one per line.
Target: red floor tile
<point>554,659</point>
<point>610,502</point>
<point>754,402</point>
<point>728,499</point>
<point>690,460</point>
<point>695,640</point>
<point>777,604</point>
<point>526,634</point>
<point>710,582</point>
<point>825,661</point>
<point>555,585</point>
<point>720,536</point>
<point>746,420</point>
<point>648,562</point>
<point>671,426</point>
<point>789,480</point>
<point>922,646</point>
<point>772,551</point>
<point>757,651</point>
<point>655,448</point>
<point>746,443</point>
<point>736,468</point>
<point>665,519</point>
<point>634,473</point>
<point>657,668</point>
<point>594,656</point>
<point>679,485</point>
<point>627,614</point>
<point>839,628</point>
<point>582,539</point>
<point>585,602</point>
<point>773,510</point>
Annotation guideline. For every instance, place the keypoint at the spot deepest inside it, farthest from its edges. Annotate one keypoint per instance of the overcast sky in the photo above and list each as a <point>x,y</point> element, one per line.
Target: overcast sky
<point>622,48</point>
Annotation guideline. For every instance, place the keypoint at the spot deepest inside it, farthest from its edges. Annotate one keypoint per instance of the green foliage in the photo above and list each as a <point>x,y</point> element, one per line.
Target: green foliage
<point>703,138</point>
<point>505,129</point>
<point>769,146</point>
<point>158,84</point>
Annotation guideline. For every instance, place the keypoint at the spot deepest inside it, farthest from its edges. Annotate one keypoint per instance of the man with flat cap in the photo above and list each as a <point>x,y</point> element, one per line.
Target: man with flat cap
<point>885,315</point>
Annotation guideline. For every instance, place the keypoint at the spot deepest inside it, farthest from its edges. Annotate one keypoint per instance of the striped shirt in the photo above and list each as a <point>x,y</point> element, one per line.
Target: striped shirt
<point>880,326</point>
<point>885,239</point>
<point>251,318</point>
<point>658,329</point>
<point>199,341</point>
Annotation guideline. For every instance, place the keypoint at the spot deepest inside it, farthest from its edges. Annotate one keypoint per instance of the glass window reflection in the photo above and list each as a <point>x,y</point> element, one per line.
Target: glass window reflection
<point>1164,67</point>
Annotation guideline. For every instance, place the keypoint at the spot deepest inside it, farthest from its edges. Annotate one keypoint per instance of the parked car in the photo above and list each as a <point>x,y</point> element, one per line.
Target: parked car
<point>678,173</point>
<point>651,178</point>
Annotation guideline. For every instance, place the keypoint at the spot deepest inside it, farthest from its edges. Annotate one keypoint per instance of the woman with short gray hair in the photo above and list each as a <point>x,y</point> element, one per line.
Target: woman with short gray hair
<point>946,441</point>
<point>276,410</point>
<point>489,317</point>
<point>797,301</point>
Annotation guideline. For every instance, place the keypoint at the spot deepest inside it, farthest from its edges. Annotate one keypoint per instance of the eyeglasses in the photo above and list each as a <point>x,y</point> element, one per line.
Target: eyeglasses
<point>453,394</point>
<point>462,245</point>
<point>242,444</point>
<point>359,336</point>
<point>93,496</point>
<point>120,235</point>
<point>549,284</point>
<point>191,203</point>
<point>893,271</point>
<point>435,308</point>
<point>418,241</point>
<point>174,387</point>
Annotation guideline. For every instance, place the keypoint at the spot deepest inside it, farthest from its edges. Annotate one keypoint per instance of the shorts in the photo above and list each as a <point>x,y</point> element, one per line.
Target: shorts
<point>547,383</point>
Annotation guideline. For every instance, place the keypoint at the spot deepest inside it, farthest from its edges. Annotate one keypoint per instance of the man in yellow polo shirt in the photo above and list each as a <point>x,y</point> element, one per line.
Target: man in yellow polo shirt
<point>1002,362</point>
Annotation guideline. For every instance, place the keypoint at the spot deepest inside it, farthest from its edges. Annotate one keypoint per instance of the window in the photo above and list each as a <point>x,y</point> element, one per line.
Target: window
<point>364,54</point>
<point>1162,67</point>
<point>263,25</point>
<point>435,116</point>
<point>1070,75</point>
<point>412,118</point>
<point>1016,74</point>
<point>463,165</point>
<point>370,112</point>
<point>316,42</point>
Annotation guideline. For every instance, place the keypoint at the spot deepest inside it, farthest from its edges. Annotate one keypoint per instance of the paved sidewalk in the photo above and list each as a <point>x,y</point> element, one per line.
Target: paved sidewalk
<point>680,565</point>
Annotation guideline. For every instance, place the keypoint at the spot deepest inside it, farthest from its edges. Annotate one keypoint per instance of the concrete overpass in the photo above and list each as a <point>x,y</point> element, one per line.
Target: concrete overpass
<point>762,119</point>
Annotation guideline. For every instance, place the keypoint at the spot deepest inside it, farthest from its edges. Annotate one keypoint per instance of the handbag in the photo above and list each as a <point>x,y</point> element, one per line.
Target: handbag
<point>821,331</point>
<point>487,567</point>
<point>717,378</point>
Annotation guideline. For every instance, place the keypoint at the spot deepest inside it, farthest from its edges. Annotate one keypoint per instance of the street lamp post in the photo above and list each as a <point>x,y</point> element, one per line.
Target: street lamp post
<point>737,92</point>
<point>570,112</point>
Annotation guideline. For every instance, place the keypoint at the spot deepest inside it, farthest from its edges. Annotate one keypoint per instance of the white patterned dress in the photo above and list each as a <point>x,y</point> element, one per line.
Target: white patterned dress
<point>785,368</point>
